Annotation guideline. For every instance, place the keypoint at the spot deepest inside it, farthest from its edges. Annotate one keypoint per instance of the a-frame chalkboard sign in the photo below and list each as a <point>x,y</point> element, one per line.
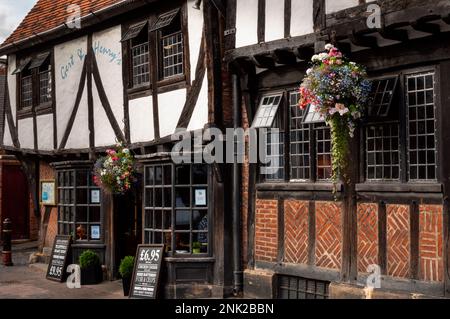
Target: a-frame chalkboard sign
<point>146,272</point>
<point>58,263</point>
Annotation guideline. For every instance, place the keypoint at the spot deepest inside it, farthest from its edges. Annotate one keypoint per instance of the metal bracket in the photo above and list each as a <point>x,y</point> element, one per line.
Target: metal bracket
<point>229,32</point>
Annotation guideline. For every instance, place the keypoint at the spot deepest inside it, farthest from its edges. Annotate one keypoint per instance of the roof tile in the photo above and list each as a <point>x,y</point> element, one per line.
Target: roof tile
<point>49,14</point>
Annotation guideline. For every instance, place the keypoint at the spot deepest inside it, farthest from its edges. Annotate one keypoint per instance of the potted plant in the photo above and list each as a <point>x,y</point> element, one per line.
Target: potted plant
<point>196,247</point>
<point>126,272</point>
<point>91,270</point>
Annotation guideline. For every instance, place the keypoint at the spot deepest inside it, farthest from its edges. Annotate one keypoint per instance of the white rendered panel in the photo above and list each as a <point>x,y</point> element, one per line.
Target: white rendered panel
<point>338,5</point>
<point>141,120</point>
<point>246,22</point>
<point>26,135</point>
<point>45,132</point>
<point>195,26</point>
<point>274,20</point>
<point>170,106</point>
<point>200,115</point>
<point>302,21</point>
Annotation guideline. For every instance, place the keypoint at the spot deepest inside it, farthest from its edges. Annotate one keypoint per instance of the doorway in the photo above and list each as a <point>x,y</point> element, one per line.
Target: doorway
<point>128,225</point>
<point>15,200</point>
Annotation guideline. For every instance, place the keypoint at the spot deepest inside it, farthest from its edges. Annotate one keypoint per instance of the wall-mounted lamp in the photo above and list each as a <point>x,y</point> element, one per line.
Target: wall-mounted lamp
<point>197,4</point>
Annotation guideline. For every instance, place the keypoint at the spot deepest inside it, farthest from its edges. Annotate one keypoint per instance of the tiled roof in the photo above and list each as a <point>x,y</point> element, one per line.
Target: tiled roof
<point>49,14</point>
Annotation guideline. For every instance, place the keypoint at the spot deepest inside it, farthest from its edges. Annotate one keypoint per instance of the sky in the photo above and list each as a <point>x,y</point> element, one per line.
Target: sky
<point>11,14</point>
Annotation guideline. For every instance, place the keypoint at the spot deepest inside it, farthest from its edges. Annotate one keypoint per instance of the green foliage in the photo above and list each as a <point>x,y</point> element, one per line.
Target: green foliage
<point>126,267</point>
<point>340,147</point>
<point>196,245</point>
<point>89,258</point>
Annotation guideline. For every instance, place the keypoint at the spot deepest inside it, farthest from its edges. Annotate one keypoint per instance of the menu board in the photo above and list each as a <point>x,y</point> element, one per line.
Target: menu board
<point>57,267</point>
<point>147,268</point>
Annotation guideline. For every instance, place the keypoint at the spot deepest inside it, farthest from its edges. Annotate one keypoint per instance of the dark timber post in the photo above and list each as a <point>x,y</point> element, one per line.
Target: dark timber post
<point>7,233</point>
<point>237,269</point>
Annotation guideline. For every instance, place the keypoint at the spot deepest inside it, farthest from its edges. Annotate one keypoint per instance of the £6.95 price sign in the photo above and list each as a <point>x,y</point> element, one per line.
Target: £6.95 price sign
<point>147,268</point>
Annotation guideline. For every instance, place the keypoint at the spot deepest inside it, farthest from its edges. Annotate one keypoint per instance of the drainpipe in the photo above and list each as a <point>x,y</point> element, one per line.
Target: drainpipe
<point>237,267</point>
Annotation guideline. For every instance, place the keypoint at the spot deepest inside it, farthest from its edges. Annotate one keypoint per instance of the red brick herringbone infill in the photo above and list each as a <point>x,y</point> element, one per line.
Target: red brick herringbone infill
<point>296,223</point>
<point>431,266</point>
<point>367,236</point>
<point>266,230</point>
<point>398,240</point>
<point>328,235</point>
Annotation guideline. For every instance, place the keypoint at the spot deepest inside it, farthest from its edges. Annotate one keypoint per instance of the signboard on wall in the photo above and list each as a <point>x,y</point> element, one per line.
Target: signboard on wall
<point>58,260</point>
<point>48,196</point>
<point>146,272</point>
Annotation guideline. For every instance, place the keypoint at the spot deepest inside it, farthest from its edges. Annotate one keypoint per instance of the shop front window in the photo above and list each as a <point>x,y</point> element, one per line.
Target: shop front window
<point>176,208</point>
<point>79,205</point>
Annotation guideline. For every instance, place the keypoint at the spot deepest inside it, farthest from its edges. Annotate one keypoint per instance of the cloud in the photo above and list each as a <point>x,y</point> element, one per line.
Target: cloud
<point>11,14</point>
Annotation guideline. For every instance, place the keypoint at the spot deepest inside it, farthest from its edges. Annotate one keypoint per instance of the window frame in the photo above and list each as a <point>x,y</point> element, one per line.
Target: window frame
<point>74,187</point>
<point>36,107</point>
<point>155,55</point>
<point>403,123</point>
<point>173,209</point>
<point>284,110</point>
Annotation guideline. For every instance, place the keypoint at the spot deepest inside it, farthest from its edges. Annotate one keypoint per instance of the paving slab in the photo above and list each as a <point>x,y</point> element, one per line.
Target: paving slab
<point>29,282</point>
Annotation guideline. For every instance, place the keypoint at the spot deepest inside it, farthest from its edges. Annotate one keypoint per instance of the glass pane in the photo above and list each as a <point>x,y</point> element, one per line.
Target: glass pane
<point>183,220</point>
<point>81,232</point>
<point>167,197</point>
<point>168,241</point>
<point>149,176</point>
<point>82,178</point>
<point>200,197</point>
<point>149,197</point>
<point>167,220</point>
<point>148,219</point>
<point>200,220</point>
<point>183,175</point>
<point>199,174</point>
<point>158,175</point>
<point>183,245</point>
<point>168,175</point>
<point>158,219</point>
<point>81,216</point>
<point>95,232</point>
<point>82,196</point>
<point>200,243</point>
<point>182,198</point>
<point>94,214</point>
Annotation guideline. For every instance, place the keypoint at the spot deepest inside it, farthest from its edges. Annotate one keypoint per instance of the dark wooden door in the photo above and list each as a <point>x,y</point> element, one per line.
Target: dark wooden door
<point>15,200</point>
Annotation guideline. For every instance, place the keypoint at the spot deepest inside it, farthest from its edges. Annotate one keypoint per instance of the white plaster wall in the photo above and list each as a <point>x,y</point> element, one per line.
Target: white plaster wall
<point>141,120</point>
<point>7,139</point>
<point>200,114</point>
<point>274,20</point>
<point>12,84</point>
<point>170,106</point>
<point>108,52</point>
<point>246,22</point>
<point>104,133</point>
<point>337,5</point>
<point>69,58</point>
<point>45,132</point>
<point>26,136</point>
<point>79,136</point>
<point>195,26</point>
<point>302,21</point>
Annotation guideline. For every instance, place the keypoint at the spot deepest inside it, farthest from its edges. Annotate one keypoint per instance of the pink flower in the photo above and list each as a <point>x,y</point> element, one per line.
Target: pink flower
<point>115,158</point>
<point>341,108</point>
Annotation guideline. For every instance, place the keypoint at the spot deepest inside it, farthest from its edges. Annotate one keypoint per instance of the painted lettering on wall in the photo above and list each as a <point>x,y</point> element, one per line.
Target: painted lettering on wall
<point>75,58</point>
<point>112,56</point>
<point>79,55</point>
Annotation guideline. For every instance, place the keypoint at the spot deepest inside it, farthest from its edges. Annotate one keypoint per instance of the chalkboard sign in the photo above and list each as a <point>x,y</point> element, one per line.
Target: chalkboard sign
<point>57,267</point>
<point>147,268</point>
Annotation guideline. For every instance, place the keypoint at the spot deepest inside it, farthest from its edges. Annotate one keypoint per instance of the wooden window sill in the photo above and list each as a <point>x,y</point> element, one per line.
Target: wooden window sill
<point>24,113</point>
<point>397,187</point>
<point>43,109</point>
<point>297,186</point>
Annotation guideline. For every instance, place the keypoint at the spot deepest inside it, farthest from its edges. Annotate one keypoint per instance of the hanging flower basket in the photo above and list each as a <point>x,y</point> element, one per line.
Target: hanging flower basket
<point>115,173</point>
<point>339,90</point>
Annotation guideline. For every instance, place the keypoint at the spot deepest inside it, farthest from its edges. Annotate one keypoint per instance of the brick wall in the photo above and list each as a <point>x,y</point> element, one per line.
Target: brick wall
<point>431,263</point>
<point>367,236</point>
<point>398,240</point>
<point>296,231</point>
<point>266,234</point>
<point>329,235</point>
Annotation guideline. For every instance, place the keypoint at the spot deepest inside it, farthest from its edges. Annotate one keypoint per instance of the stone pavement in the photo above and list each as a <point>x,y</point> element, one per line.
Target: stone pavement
<point>28,281</point>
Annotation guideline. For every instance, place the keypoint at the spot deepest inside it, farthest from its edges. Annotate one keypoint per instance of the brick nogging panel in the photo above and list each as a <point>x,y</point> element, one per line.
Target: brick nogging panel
<point>368,241</point>
<point>431,262</point>
<point>296,231</point>
<point>266,235</point>
<point>398,240</point>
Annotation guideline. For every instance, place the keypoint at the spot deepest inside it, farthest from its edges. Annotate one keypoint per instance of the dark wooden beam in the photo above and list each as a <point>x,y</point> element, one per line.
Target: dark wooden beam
<point>319,15</point>
<point>285,56</point>
<point>154,83</point>
<point>304,53</point>
<point>75,107</point>
<point>90,56</point>
<point>230,25</point>
<point>382,237</point>
<point>363,40</point>
<point>264,61</point>
<point>414,228</point>
<point>9,117</point>
<point>312,233</point>
<point>423,24</point>
<point>287,18</point>
<point>55,119</point>
<point>394,34</point>
<point>261,20</point>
